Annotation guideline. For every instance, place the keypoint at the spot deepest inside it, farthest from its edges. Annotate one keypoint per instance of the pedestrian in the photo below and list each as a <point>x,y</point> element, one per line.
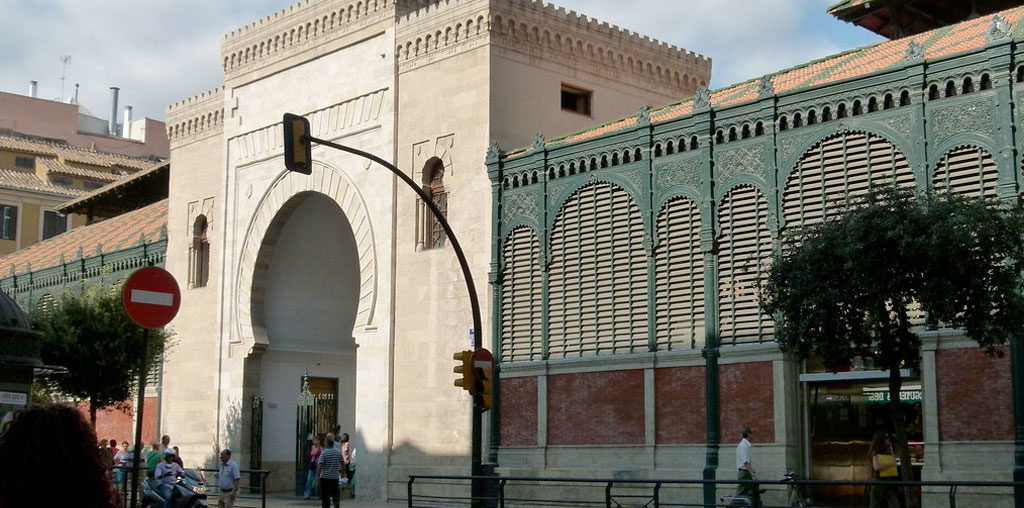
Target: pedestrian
<point>123,459</point>
<point>166,442</point>
<point>346,468</point>
<point>177,456</point>
<point>328,466</point>
<point>314,456</point>
<point>166,475</point>
<point>114,450</point>
<point>48,458</point>
<point>153,456</point>
<point>228,479</point>
<point>883,468</point>
<point>745,469</point>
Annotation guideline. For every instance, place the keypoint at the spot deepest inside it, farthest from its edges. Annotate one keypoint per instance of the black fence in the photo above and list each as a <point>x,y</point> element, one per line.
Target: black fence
<point>436,491</point>
<point>252,495</point>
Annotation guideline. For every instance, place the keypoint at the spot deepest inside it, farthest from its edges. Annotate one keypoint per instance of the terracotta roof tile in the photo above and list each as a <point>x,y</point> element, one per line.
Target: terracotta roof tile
<point>28,181</point>
<point>115,184</point>
<point>73,154</point>
<point>942,42</point>
<point>53,166</point>
<point>111,235</point>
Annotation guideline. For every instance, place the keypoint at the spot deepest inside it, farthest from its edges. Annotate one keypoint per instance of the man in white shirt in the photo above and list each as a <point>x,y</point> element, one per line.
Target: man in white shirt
<point>745,468</point>
<point>227,480</point>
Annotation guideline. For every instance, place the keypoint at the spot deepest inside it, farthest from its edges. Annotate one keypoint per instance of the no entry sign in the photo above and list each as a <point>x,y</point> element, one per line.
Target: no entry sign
<point>151,297</point>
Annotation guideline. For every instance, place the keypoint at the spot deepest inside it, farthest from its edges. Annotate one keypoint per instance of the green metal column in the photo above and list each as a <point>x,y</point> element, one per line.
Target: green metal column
<point>493,160</point>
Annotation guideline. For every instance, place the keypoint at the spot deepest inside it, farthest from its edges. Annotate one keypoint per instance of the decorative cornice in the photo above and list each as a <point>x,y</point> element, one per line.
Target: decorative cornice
<point>998,29</point>
<point>765,88</point>
<point>914,53</point>
<point>702,100</point>
<point>197,117</point>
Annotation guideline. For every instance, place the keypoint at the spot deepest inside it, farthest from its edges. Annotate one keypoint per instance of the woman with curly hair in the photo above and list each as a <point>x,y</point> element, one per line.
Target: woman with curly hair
<point>47,447</point>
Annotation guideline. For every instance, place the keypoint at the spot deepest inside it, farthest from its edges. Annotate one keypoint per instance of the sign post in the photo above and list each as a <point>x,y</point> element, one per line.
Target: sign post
<point>151,299</point>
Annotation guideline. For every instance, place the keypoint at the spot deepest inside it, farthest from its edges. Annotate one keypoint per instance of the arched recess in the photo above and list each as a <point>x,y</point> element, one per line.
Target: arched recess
<point>521,286</point>
<point>598,275</point>
<point>836,169</point>
<point>968,171</point>
<point>744,250</point>
<point>249,280</point>
<point>679,276</point>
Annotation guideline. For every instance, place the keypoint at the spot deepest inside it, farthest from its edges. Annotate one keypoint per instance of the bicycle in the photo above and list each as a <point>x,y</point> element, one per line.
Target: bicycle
<point>797,495</point>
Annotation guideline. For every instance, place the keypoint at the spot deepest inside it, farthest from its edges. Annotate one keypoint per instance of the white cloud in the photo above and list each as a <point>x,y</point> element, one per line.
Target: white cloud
<point>161,51</point>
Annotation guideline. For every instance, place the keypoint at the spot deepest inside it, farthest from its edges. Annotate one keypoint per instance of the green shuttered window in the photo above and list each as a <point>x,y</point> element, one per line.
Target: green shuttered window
<point>598,275</point>
<point>521,297</point>
<point>744,250</point>
<point>679,277</point>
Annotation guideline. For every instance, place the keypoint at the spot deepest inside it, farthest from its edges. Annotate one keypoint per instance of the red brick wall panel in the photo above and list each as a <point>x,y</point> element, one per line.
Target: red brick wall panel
<point>975,395</point>
<point>518,409</point>
<point>596,408</point>
<point>680,410</point>
<point>747,400</point>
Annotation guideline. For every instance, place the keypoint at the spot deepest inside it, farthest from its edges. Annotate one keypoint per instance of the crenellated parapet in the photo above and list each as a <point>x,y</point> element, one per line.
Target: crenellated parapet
<point>197,117</point>
<point>297,28</point>
<point>526,26</point>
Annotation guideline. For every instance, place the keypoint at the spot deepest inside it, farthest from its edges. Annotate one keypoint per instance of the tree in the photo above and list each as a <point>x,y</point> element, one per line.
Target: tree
<point>89,333</point>
<point>844,288</point>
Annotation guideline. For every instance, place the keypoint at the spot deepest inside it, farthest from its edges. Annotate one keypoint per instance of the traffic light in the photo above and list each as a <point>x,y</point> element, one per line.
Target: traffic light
<point>298,149</point>
<point>484,387</point>
<point>465,367</point>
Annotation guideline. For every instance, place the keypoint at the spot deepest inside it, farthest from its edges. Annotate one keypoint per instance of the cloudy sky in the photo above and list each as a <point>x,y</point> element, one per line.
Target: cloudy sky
<point>161,51</point>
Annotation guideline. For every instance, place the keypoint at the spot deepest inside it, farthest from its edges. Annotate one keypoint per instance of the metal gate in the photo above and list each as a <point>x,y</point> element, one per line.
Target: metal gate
<point>314,414</point>
<point>256,440</point>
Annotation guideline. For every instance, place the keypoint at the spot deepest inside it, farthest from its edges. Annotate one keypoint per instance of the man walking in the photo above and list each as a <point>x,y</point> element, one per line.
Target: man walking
<point>227,480</point>
<point>745,469</point>
<point>328,466</point>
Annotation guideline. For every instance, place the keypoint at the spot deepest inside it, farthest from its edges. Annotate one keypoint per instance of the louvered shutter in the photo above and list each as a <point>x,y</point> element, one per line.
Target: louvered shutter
<point>521,297</point>
<point>968,171</point>
<point>839,169</point>
<point>744,250</point>
<point>679,282</point>
<point>598,278</point>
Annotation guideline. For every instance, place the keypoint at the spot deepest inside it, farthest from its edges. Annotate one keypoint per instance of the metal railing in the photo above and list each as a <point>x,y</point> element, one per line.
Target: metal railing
<point>253,490</point>
<point>437,491</point>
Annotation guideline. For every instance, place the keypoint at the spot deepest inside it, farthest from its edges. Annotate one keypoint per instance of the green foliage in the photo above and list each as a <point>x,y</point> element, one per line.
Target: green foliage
<point>843,288</point>
<point>88,332</point>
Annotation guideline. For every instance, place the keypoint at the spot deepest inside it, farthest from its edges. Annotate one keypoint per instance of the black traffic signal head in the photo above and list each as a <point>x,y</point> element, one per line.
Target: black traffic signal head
<point>298,149</point>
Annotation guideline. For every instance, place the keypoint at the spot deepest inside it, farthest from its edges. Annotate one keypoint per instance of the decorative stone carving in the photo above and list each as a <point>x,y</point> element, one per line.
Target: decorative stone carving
<point>677,172</point>
<point>702,101</point>
<point>648,244</point>
<point>538,142</point>
<point>788,145</point>
<point>635,177</point>
<point>765,87</point>
<point>965,117</point>
<point>520,204</point>
<point>557,190</point>
<point>899,123</point>
<point>915,52</point>
<point>493,153</point>
<point>748,159</point>
<point>643,117</point>
<point>998,29</point>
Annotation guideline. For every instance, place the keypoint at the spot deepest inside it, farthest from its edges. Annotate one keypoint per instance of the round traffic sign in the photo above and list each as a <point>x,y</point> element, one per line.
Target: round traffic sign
<point>483,359</point>
<point>151,297</point>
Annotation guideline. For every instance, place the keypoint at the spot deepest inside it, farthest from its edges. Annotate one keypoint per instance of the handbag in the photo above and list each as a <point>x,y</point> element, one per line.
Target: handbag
<point>889,472</point>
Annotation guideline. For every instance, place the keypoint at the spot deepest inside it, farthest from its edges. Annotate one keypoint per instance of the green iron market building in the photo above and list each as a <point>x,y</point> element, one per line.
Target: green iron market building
<point>625,262</point>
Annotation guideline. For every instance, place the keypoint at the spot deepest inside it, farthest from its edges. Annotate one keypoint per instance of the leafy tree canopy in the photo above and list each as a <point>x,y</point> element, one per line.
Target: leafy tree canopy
<point>849,287</point>
<point>88,332</point>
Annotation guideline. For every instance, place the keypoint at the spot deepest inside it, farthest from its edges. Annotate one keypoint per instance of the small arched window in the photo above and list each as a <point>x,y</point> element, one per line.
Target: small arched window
<point>199,254</point>
<point>431,232</point>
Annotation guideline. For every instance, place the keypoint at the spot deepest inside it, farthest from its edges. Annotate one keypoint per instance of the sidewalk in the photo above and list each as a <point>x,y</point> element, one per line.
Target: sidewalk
<point>281,501</point>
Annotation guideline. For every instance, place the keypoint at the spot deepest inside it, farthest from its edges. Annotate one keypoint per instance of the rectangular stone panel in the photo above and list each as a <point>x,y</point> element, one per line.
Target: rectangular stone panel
<point>596,408</point>
<point>747,400</point>
<point>974,395</point>
<point>679,405</point>
<point>518,411</point>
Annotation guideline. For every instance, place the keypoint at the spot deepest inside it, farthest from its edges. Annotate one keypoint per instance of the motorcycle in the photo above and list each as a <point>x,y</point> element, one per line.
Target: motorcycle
<point>189,491</point>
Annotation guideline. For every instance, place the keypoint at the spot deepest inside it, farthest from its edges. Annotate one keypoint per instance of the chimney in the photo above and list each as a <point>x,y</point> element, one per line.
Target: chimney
<point>112,125</point>
<point>126,128</point>
<point>33,87</point>
<point>76,94</point>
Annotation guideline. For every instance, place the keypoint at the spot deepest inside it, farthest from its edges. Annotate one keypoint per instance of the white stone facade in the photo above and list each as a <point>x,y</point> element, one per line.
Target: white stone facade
<point>322,274</point>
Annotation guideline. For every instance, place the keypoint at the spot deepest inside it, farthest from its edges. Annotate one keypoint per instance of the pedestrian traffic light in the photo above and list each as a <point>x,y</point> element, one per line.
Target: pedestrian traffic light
<point>465,367</point>
<point>298,149</point>
<point>484,387</point>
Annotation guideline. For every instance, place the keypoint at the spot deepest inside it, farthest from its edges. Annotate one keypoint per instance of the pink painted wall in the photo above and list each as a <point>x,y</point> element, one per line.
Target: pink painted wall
<point>52,119</point>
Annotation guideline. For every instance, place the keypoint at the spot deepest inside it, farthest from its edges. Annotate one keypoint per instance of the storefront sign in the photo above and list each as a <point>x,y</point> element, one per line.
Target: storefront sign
<point>882,396</point>
<point>14,398</point>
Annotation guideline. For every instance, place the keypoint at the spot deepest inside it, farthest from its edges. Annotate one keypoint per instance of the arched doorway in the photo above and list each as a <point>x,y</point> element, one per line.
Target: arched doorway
<point>305,298</point>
